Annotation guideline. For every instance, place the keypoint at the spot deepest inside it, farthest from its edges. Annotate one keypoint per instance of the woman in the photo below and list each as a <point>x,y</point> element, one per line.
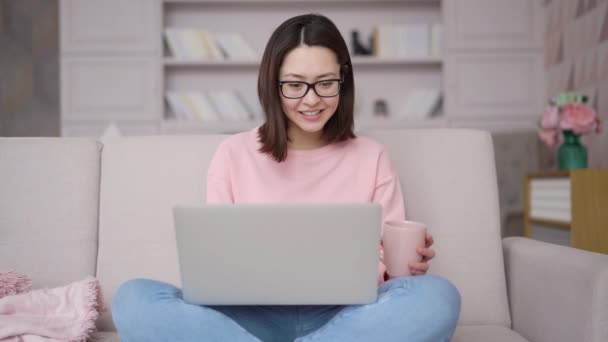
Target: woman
<point>306,151</point>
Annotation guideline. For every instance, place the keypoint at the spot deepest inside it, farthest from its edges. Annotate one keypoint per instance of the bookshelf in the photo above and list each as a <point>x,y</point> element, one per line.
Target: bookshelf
<point>357,62</point>
<point>489,73</point>
<point>386,78</point>
<point>568,208</point>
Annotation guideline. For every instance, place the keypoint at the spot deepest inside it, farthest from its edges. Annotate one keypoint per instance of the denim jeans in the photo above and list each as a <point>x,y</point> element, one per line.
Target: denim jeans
<point>419,308</point>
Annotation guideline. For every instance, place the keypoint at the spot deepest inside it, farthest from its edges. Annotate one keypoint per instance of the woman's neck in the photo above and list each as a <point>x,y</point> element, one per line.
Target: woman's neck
<point>300,140</point>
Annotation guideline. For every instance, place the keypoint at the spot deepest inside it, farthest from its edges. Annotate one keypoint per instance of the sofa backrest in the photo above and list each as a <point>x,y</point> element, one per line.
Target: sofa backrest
<point>142,179</point>
<point>49,199</point>
<point>448,179</point>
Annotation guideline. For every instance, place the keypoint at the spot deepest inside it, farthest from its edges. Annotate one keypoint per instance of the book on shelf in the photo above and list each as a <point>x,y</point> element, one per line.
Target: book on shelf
<point>192,44</point>
<point>179,111</point>
<point>420,103</point>
<point>200,44</point>
<point>437,40</point>
<point>234,46</point>
<point>174,44</point>
<point>211,106</point>
<point>228,105</point>
<point>414,40</point>
<point>209,44</point>
<point>252,103</point>
<point>200,106</point>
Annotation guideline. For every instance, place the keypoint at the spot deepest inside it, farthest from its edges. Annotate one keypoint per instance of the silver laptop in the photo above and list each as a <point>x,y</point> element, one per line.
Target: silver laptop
<point>278,254</point>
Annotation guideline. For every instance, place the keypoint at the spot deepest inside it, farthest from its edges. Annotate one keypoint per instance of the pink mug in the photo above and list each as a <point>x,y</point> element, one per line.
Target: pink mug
<point>400,240</point>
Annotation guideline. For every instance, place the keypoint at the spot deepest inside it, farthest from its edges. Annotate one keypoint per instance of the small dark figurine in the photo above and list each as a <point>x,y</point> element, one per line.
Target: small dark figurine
<point>358,47</point>
<point>380,108</point>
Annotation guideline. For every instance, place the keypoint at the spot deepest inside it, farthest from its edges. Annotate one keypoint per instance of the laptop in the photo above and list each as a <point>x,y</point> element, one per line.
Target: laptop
<point>278,254</point>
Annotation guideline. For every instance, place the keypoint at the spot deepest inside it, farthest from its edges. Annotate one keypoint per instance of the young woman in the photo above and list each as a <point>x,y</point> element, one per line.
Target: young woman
<point>306,151</point>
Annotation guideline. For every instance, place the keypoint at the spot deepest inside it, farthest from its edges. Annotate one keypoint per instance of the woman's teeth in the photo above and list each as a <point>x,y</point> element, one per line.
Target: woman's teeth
<point>311,113</point>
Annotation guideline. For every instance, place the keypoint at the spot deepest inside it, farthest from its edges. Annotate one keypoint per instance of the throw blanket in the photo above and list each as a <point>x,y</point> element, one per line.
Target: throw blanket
<point>12,283</point>
<point>66,313</point>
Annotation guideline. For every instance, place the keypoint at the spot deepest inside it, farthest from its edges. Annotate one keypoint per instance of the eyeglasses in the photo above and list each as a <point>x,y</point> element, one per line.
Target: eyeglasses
<point>299,89</point>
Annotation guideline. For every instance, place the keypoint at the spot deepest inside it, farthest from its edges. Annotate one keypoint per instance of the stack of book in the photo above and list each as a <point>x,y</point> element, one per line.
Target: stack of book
<point>211,106</point>
<point>201,44</point>
<point>420,103</point>
<point>408,41</point>
<point>550,199</point>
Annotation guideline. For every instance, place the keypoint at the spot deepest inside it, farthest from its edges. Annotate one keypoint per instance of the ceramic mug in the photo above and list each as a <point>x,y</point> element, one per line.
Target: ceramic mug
<point>400,240</point>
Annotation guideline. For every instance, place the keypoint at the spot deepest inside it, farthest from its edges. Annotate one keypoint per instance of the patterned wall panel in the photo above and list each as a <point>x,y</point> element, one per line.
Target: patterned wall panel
<point>576,59</point>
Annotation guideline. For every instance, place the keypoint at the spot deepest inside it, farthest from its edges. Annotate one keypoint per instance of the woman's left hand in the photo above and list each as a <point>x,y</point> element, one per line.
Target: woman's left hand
<point>427,253</point>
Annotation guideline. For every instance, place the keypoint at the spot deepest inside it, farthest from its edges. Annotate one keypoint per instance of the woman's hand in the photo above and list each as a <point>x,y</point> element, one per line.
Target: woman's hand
<point>420,268</point>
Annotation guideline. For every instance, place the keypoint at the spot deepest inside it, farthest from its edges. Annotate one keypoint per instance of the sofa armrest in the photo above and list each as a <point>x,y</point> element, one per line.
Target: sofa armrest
<point>556,293</point>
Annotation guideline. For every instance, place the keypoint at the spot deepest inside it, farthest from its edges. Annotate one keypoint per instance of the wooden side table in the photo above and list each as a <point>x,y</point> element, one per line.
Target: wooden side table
<point>568,207</point>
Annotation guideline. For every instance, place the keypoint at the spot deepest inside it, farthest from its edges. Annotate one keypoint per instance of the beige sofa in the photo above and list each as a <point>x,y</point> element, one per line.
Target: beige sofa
<point>73,207</point>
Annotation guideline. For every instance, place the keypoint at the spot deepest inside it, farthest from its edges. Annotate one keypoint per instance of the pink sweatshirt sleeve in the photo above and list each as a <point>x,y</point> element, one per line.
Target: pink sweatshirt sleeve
<point>219,187</point>
<point>388,195</point>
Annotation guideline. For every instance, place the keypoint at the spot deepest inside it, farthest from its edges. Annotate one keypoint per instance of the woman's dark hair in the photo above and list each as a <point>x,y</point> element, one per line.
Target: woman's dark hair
<point>312,30</point>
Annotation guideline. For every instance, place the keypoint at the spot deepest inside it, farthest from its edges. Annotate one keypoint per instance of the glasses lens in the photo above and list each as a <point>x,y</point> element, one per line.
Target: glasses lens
<point>328,88</point>
<point>293,89</point>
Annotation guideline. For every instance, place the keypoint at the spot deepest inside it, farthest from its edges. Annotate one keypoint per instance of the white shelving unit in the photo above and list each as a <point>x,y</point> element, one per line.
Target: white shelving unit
<point>490,73</point>
<point>375,78</point>
<point>357,61</point>
<point>337,2</point>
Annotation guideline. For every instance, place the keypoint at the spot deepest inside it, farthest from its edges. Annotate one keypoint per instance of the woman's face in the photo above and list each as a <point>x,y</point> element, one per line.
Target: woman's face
<point>307,115</point>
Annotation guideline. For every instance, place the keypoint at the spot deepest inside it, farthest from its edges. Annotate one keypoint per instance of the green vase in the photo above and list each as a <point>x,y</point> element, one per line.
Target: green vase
<point>571,153</point>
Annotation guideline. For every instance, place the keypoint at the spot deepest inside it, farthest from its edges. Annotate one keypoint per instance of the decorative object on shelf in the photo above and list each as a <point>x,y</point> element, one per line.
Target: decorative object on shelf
<point>358,48</point>
<point>569,114</point>
<point>111,132</point>
<point>380,108</point>
<point>420,104</point>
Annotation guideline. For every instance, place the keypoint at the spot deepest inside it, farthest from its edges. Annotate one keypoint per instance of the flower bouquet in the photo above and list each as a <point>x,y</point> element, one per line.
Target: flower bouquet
<point>569,114</point>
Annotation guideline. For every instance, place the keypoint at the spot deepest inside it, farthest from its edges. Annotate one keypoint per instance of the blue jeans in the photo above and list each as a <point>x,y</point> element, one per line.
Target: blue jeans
<point>419,308</point>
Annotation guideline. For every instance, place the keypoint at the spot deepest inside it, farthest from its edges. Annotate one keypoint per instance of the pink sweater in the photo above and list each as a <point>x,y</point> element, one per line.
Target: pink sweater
<point>357,170</point>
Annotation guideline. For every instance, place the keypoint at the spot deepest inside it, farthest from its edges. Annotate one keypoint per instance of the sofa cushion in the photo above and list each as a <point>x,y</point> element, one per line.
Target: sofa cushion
<point>49,208</point>
<point>484,333</point>
<point>448,179</point>
<point>142,179</point>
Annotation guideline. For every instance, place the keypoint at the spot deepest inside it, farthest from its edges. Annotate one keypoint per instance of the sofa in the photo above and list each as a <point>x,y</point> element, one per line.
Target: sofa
<point>72,207</point>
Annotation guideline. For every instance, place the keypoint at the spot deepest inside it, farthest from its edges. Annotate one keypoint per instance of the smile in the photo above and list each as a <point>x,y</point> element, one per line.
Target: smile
<point>310,113</point>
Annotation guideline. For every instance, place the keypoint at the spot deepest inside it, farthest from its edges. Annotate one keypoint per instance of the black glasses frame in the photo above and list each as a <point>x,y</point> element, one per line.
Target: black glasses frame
<point>309,86</point>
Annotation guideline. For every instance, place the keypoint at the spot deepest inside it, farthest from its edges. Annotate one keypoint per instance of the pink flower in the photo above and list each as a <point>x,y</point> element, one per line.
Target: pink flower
<point>549,137</point>
<point>577,117</point>
<point>550,118</point>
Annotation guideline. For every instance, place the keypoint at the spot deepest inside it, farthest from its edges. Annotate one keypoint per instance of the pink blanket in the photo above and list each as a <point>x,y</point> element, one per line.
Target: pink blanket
<point>66,313</point>
<point>12,283</point>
